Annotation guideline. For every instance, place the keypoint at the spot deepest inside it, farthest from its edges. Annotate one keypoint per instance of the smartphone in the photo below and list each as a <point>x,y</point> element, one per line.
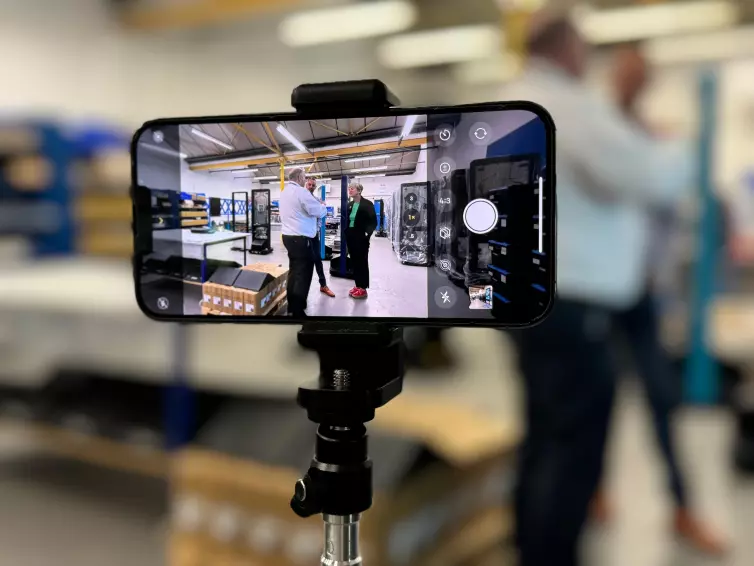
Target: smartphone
<point>441,216</point>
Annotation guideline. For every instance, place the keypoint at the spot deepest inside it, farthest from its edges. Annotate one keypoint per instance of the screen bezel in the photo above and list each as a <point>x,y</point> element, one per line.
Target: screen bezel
<point>325,114</point>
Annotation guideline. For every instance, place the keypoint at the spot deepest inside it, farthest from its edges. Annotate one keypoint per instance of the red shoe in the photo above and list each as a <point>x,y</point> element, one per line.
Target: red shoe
<point>601,510</point>
<point>326,290</point>
<point>352,291</point>
<point>699,535</point>
<point>359,294</point>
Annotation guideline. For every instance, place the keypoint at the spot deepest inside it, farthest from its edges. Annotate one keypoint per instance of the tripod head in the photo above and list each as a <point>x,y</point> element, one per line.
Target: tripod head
<point>361,370</point>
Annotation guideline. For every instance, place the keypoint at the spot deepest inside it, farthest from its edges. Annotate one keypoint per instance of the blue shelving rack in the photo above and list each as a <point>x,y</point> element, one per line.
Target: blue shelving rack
<point>44,216</point>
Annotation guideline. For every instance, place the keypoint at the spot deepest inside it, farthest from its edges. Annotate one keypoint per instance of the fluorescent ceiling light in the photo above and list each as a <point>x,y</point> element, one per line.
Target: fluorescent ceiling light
<point>714,46</point>
<point>163,150</point>
<point>242,170</point>
<point>200,134</point>
<point>291,138</point>
<point>353,22</point>
<point>656,20</point>
<point>494,70</point>
<point>380,168</point>
<point>268,178</point>
<point>409,125</point>
<point>370,176</point>
<point>356,159</point>
<point>438,47</point>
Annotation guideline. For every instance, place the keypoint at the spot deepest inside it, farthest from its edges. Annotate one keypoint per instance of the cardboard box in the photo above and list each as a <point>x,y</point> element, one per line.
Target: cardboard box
<point>239,304</point>
<point>212,296</point>
<point>259,303</point>
<point>440,471</point>
<point>227,295</point>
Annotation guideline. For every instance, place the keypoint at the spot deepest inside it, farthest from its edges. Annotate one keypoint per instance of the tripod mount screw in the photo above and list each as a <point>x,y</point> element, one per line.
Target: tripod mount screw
<point>341,379</point>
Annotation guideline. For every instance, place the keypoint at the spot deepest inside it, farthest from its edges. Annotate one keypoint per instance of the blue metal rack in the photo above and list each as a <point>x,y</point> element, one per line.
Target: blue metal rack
<point>44,216</point>
<point>702,372</point>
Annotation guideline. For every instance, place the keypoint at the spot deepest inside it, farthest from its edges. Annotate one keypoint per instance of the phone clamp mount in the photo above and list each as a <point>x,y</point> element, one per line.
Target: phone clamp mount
<point>361,369</point>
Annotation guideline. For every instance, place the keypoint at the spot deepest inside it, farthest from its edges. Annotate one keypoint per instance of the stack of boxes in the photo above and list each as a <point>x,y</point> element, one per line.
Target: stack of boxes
<point>442,481</point>
<point>254,290</point>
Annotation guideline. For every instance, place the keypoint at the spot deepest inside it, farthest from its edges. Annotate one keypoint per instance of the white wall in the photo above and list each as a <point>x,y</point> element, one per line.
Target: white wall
<point>70,59</point>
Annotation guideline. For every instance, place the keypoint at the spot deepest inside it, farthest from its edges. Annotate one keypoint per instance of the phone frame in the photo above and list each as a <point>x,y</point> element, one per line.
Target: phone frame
<point>550,184</point>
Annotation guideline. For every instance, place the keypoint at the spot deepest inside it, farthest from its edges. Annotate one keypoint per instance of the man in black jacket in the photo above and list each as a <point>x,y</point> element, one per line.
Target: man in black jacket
<point>362,222</point>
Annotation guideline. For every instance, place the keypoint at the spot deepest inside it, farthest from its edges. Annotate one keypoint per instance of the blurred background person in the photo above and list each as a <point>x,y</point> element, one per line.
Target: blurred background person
<point>362,222</point>
<point>639,325</point>
<point>608,172</point>
<point>311,185</point>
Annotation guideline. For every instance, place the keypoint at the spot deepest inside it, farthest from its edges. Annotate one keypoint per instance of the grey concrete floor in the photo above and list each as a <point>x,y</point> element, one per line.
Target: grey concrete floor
<point>395,289</point>
<point>640,533</point>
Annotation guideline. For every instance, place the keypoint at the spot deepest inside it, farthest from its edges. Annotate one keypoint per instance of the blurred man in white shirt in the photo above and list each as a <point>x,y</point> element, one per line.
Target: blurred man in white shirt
<point>609,172</point>
<point>300,212</point>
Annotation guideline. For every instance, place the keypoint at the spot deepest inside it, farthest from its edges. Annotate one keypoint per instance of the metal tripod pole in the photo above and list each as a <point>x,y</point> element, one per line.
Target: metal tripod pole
<point>341,541</point>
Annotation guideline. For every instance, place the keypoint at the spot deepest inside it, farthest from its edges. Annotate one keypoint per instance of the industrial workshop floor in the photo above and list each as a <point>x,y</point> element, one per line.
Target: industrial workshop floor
<point>54,512</point>
<point>395,289</point>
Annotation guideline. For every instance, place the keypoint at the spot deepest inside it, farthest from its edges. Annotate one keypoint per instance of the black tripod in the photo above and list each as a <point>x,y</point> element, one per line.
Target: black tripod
<point>361,369</point>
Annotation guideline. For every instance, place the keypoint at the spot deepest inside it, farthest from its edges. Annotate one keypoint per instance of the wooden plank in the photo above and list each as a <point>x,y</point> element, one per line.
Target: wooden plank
<point>197,13</point>
<point>101,451</point>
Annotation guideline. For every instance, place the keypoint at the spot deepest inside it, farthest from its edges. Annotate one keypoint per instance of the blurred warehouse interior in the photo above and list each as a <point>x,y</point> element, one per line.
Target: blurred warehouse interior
<point>125,441</point>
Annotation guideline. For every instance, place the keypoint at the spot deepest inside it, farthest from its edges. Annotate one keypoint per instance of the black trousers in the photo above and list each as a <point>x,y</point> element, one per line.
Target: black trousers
<point>569,381</point>
<point>358,250</point>
<point>639,327</point>
<point>301,269</point>
<point>318,262</point>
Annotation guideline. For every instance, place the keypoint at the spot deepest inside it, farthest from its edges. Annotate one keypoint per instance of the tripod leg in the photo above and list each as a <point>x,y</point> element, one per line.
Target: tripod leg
<point>341,541</point>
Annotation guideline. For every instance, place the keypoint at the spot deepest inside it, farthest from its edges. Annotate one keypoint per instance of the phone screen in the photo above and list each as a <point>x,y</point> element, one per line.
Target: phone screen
<point>442,215</point>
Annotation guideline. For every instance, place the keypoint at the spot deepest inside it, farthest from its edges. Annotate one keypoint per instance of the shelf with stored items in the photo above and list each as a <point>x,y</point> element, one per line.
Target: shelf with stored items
<point>193,210</point>
<point>165,208</point>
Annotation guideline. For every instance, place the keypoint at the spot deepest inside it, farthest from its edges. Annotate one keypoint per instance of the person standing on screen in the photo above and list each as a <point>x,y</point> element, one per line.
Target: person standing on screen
<point>608,171</point>
<point>299,213</point>
<point>362,222</point>
<point>311,185</point>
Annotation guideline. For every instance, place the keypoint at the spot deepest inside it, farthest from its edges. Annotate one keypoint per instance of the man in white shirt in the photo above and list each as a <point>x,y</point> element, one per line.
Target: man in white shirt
<point>609,173</point>
<point>299,214</point>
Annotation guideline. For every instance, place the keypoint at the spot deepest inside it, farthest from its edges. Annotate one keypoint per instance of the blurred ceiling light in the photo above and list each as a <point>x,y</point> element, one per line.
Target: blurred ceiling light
<point>268,178</point>
<point>656,20</point>
<point>291,138</point>
<point>438,47</point>
<point>528,5</point>
<point>163,150</point>
<point>242,170</point>
<point>200,134</point>
<point>370,176</point>
<point>729,44</point>
<point>409,125</point>
<point>346,23</point>
<point>494,70</point>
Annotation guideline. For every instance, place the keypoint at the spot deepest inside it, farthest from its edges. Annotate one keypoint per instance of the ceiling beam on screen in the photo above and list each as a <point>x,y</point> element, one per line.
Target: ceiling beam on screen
<point>341,151</point>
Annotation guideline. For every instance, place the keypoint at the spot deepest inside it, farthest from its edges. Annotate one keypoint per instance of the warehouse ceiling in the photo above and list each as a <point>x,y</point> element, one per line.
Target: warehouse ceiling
<point>335,147</point>
<point>161,14</point>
